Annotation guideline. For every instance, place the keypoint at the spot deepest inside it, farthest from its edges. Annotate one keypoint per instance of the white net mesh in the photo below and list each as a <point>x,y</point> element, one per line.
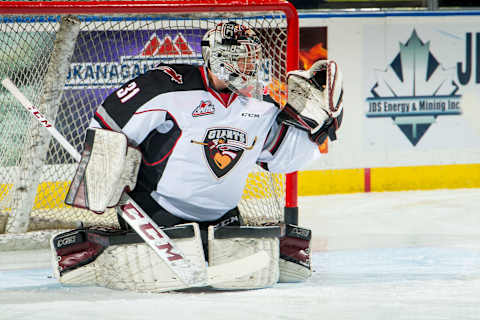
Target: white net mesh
<point>35,171</point>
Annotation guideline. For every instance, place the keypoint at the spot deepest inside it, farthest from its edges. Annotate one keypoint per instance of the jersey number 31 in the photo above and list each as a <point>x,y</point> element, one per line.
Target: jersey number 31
<point>125,94</point>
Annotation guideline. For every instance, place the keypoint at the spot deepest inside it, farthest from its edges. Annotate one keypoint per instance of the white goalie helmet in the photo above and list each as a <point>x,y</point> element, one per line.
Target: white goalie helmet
<point>233,53</point>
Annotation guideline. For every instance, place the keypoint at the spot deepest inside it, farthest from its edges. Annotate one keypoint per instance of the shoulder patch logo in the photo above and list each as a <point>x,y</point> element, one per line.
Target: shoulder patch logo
<point>174,76</point>
<point>223,148</point>
<point>205,108</point>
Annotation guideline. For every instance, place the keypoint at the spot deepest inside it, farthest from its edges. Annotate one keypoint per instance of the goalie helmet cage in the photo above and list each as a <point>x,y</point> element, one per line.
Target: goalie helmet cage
<point>67,56</point>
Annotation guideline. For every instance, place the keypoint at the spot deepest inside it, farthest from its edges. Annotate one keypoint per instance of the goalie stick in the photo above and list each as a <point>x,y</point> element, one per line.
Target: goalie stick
<point>148,230</point>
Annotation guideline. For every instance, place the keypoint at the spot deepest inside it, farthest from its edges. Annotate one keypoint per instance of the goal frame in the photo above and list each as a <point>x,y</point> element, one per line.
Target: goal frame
<point>175,6</point>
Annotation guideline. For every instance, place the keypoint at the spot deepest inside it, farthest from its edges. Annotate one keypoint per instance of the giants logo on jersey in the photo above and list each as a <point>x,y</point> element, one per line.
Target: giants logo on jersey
<point>223,149</point>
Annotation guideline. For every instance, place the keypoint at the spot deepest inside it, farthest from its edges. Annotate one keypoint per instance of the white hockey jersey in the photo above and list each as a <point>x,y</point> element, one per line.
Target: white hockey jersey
<point>198,147</point>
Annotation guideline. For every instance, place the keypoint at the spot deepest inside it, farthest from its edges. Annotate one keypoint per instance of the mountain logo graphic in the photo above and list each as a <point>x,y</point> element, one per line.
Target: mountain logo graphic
<point>414,90</point>
<point>128,54</point>
<point>167,47</point>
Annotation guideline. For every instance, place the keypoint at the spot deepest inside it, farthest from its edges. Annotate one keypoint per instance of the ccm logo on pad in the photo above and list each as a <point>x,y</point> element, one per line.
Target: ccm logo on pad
<point>65,241</point>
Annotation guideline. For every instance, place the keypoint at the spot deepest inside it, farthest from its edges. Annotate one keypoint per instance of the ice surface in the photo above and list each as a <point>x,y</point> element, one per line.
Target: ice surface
<point>399,255</point>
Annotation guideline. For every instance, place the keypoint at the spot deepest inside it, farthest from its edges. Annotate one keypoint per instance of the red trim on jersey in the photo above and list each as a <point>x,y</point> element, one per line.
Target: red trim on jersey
<point>103,121</point>
<point>232,98</point>
<point>225,98</point>
<point>174,145</point>
<point>279,139</point>
<point>150,110</point>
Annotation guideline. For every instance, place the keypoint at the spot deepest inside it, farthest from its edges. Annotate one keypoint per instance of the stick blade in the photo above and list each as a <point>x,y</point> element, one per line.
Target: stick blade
<point>242,267</point>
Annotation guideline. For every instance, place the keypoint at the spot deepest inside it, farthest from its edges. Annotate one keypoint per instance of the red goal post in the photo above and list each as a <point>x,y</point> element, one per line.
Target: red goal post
<point>17,175</point>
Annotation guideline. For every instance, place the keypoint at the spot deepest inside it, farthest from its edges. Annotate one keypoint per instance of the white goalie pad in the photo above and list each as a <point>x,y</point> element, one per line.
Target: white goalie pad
<point>295,254</point>
<point>133,267</point>
<point>291,271</point>
<point>316,93</point>
<point>128,177</point>
<point>107,167</point>
<point>232,243</point>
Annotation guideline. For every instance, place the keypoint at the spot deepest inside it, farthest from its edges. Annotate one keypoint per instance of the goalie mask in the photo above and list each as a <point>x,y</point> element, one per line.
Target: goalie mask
<point>233,53</point>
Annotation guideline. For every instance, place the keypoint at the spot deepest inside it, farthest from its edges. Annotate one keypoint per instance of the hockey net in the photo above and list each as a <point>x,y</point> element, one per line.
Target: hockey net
<point>66,57</point>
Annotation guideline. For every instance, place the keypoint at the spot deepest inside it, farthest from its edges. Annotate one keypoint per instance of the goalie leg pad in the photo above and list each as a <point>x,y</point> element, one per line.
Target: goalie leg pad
<point>295,254</point>
<point>131,265</point>
<point>232,243</point>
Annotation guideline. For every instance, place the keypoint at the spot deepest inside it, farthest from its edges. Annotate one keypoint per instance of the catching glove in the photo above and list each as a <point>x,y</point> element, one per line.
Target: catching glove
<point>315,100</point>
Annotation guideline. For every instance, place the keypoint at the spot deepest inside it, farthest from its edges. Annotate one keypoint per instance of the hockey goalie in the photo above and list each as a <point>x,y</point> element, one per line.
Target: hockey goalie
<point>181,140</point>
